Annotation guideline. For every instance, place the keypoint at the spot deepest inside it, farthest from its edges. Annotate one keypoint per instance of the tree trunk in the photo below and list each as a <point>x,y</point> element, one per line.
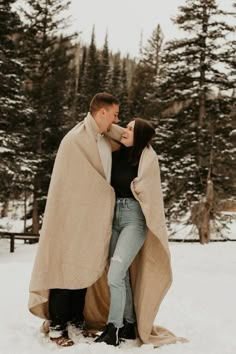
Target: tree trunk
<point>205,207</point>
<point>201,214</point>
<point>76,88</point>
<point>4,211</point>
<point>25,209</point>
<point>35,215</point>
<point>35,212</point>
<point>204,227</point>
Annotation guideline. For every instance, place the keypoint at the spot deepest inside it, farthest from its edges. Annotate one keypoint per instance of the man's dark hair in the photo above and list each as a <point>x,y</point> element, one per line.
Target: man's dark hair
<point>143,134</point>
<point>102,100</point>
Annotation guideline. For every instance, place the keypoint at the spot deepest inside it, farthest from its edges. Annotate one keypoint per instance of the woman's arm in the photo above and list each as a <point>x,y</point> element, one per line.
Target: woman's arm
<point>114,136</point>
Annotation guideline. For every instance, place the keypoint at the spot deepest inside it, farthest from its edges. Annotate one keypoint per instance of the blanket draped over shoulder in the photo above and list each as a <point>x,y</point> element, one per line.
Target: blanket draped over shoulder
<point>74,240</point>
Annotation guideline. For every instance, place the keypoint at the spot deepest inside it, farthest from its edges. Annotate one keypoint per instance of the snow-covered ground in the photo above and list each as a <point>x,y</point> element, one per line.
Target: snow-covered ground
<point>201,304</point>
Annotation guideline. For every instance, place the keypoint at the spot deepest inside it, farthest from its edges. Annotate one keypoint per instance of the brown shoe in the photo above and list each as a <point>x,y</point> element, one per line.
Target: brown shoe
<point>63,341</point>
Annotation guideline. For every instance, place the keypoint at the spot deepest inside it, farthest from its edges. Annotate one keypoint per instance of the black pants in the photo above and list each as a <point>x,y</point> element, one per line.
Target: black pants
<point>66,305</point>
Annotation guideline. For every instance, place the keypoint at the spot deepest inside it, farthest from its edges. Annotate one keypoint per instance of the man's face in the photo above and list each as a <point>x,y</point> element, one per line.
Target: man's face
<point>109,116</point>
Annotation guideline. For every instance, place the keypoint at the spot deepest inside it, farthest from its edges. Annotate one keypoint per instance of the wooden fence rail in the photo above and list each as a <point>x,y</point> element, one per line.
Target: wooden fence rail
<point>30,237</point>
<point>33,238</point>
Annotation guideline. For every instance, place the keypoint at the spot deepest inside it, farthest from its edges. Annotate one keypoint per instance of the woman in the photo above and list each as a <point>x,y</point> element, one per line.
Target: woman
<point>128,231</point>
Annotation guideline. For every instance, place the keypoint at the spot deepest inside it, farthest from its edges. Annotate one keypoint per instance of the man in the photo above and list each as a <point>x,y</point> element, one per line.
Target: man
<point>74,239</point>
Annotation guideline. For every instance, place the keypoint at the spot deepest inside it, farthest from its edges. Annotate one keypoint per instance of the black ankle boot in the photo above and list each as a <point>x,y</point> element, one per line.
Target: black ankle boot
<point>102,335</point>
<point>110,335</point>
<point>127,331</point>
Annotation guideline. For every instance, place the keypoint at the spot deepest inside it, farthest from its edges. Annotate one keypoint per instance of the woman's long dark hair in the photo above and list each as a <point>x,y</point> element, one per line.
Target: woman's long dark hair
<point>143,134</point>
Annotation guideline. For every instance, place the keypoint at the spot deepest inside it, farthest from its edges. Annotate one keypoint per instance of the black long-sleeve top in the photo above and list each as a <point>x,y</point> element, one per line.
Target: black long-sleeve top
<point>122,173</point>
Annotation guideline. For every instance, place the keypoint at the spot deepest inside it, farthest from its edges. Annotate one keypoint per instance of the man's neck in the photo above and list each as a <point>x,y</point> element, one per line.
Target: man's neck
<point>98,125</point>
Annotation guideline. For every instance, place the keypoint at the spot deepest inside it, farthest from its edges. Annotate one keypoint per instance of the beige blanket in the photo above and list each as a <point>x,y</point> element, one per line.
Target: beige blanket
<point>74,240</point>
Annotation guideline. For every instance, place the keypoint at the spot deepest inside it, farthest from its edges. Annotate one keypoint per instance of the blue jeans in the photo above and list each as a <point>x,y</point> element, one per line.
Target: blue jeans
<point>128,235</point>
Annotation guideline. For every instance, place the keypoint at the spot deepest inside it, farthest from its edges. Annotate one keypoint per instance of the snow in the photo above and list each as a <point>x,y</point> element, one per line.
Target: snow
<point>185,231</point>
<point>4,150</point>
<point>199,306</point>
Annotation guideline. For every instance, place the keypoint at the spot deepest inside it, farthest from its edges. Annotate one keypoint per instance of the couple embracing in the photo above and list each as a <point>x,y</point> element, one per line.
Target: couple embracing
<point>103,259</point>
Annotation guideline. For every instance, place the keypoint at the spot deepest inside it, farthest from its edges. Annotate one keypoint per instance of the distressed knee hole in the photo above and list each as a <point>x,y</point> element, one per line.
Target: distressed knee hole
<point>116,258</point>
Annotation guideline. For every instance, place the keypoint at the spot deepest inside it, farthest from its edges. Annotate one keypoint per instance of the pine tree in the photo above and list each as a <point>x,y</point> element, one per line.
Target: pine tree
<point>146,70</point>
<point>92,84</point>
<point>74,86</point>
<point>102,71</point>
<point>118,85</point>
<point>230,59</point>
<point>105,66</point>
<point>230,55</point>
<point>82,102</point>
<point>14,109</point>
<point>47,56</point>
<point>124,112</point>
<point>115,76</point>
<point>193,111</point>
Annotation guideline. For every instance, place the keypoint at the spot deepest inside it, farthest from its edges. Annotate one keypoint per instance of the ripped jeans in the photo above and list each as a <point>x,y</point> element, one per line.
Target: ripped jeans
<point>128,235</point>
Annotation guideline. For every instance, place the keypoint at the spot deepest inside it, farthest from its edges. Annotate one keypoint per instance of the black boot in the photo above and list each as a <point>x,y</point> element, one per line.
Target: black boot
<point>127,331</point>
<point>110,335</point>
<point>102,335</point>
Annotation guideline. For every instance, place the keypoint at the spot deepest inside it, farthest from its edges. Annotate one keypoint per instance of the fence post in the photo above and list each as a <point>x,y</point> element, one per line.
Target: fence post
<point>12,243</point>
